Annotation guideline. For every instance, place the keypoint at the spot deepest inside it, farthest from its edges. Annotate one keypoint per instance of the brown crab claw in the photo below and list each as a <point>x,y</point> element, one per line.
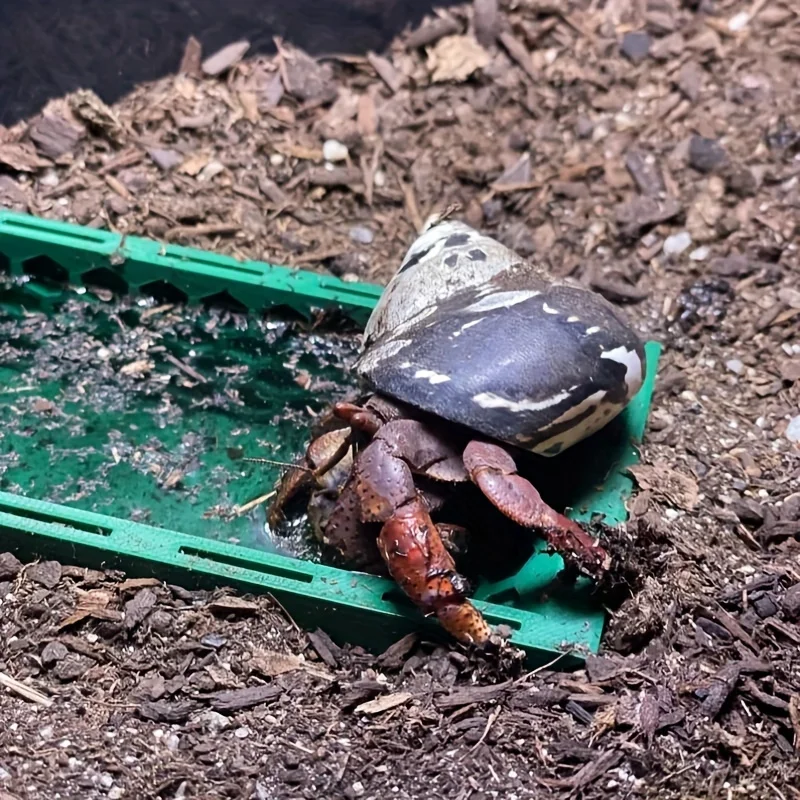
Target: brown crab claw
<point>417,559</point>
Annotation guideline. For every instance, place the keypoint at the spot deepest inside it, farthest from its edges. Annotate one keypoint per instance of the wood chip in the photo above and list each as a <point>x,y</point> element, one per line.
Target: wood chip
<point>618,291</point>
<point>485,19</point>
<point>192,58</point>
<point>384,703</point>
<point>271,663</point>
<point>206,229</point>
<point>137,609</point>
<point>45,573</point>
<point>387,72</point>
<point>230,604</point>
<point>237,699</point>
<point>168,711</point>
<point>53,136</point>
<point>92,604</point>
<point>431,32</point>
<point>395,655</point>
<point>412,208</point>
<point>471,694</point>
<point>137,368</point>
<point>326,649</point>
<point>22,157</point>
<point>519,53</point>
<point>338,176</point>
<point>794,715</point>
<point>225,58</point>
<point>720,689</point>
<point>193,164</point>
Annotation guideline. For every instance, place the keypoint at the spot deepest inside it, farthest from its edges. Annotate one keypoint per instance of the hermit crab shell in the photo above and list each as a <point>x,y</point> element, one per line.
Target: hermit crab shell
<point>471,332</point>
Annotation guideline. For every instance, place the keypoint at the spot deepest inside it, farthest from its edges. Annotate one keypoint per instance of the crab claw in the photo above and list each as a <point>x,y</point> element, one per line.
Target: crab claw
<point>418,560</point>
<point>495,473</point>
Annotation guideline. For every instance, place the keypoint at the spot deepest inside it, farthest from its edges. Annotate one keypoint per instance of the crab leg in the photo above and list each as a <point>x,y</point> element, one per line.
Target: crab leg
<point>493,470</point>
<point>410,542</point>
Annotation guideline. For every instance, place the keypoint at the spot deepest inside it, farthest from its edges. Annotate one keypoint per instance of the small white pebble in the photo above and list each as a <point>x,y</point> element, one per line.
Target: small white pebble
<point>115,793</point>
<point>333,150</point>
<point>64,744</point>
<point>50,178</point>
<point>738,21</point>
<point>735,366</point>
<point>210,170</point>
<point>361,234</point>
<point>106,781</point>
<point>242,733</point>
<point>380,178</point>
<point>700,253</point>
<point>671,514</point>
<point>103,353</point>
<point>676,244</point>
<point>793,431</point>
<point>4,774</point>
<point>358,788</point>
<point>276,159</point>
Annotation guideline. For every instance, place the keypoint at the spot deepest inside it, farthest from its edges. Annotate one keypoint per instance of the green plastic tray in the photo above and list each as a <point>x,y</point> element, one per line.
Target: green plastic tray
<point>545,618</point>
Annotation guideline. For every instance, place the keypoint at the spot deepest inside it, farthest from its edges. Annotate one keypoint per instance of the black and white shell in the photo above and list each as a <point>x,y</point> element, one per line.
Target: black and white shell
<point>471,332</point>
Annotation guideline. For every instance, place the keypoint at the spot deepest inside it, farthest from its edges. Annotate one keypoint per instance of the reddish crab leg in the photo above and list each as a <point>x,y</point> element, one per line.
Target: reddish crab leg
<point>409,540</point>
<point>495,473</point>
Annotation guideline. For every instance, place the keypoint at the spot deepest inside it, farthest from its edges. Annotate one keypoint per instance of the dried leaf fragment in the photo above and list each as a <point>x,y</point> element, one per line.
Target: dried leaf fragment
<point>455,58</point>
<point>667,484</point>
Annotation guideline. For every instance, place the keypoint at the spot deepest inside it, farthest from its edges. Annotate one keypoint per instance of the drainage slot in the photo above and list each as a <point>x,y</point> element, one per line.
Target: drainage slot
<point>243,563</point>
<point>53,519</point>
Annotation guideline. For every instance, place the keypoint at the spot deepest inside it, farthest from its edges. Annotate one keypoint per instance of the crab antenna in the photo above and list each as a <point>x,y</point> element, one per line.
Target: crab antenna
<point>272,462</point>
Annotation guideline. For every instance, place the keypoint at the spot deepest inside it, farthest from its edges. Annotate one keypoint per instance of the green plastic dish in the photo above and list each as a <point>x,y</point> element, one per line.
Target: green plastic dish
<point>545,617</point>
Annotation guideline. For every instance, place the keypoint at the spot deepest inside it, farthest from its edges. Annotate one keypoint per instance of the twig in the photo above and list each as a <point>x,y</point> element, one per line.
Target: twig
<point>205,229</point>
<point>239,510</point>
<point>522,186</point>
<point>285,612</point>
<point>25,691</point>
<point>542,668</point>
<point>489,722</point>
<point>192,373</point>
<point>411,205</point>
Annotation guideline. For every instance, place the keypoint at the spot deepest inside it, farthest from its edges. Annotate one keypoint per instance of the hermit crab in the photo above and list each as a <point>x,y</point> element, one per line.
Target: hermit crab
<point>472,357</point>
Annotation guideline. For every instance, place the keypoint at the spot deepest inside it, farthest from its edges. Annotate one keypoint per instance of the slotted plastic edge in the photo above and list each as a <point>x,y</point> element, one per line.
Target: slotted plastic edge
<point>55,254</point>
<point>352,607</point>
